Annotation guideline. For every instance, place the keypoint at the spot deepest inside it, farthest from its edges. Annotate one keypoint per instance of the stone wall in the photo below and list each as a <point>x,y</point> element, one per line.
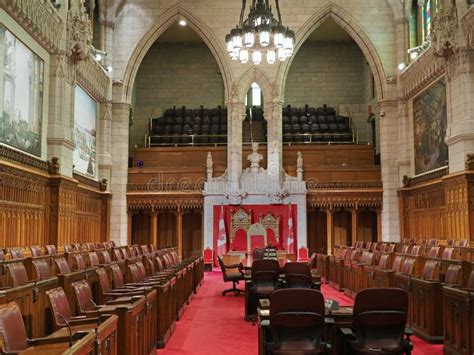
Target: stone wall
<point>174,74</point>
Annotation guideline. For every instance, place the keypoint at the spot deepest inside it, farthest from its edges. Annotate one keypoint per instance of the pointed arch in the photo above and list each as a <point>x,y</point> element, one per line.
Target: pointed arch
<point>163,22</point>
<point>351,26</point>
<point>254,75</point>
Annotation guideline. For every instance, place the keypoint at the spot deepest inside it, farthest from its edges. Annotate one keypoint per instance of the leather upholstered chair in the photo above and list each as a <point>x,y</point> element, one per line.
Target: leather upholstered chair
<point>94,259</point>
<point>231,273</point>
<point>35,250</point>
<point>258,254</point>
<point>42,269</point>
<point>51,249</point>
<point>17,253</point>
<point>84,298</point>
<point>13,333</point>
<point>379,323</point>
<point>298,275</point>
<point>18,274</point>
<point>106,289</point>
<point>79,262</point>
<point>297,323</point>
<point>62,266</point>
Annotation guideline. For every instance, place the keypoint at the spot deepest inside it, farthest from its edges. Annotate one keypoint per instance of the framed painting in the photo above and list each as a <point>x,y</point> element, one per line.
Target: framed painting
<point>21,94</point>
<point>429,127</point>
<point>85,125</point>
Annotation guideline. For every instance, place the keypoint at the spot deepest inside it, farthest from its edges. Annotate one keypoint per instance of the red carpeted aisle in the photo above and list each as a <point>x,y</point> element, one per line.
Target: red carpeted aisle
<point>213,324</point>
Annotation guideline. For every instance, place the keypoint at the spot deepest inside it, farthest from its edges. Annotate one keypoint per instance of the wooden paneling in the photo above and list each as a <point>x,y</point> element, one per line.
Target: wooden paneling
<point>168,168</point>
<point>442,208</point>
<point>342,228</point>
<point>192,233</point>
<point>317,241</point>
<point>38,207</point>
<point>167,232</point>
<point>141,228</point>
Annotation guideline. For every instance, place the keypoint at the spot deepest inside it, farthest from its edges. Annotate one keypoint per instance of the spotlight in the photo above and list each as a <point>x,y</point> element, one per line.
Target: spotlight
<point>414,55</point>
<point>182,23</point>
<point>401,66</point>
<point>107,68</point>
<point>98,54</point>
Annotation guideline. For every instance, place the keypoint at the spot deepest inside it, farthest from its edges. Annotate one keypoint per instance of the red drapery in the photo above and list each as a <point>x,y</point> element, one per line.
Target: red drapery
<point>257,210</point>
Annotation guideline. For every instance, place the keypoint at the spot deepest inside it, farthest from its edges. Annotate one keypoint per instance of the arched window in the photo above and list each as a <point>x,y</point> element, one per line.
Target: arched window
<point>254,96</point>
<point>421,20</point>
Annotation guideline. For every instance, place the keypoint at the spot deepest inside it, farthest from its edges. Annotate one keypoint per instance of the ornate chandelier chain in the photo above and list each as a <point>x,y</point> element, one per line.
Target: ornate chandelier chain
<point>260,35</point>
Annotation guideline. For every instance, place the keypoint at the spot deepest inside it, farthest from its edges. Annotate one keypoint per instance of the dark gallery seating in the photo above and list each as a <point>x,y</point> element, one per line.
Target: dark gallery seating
<point>311,125</point>
<point>185,126</point>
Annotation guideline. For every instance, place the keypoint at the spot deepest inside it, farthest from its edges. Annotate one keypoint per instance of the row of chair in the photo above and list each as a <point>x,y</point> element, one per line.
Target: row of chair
<point>296,321</point>
<point>147,289</point>
<point>436,278</point>
<point>219,111</point>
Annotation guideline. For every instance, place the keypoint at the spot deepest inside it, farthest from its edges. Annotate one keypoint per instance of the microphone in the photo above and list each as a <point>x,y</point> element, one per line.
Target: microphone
<point>68,328</point>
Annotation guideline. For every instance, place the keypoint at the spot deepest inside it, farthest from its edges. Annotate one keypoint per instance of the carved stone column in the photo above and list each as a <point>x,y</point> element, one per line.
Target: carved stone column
<point>389,151</point>
<point>236,115</point>
<point>119,176</point>
<point>273,115</point>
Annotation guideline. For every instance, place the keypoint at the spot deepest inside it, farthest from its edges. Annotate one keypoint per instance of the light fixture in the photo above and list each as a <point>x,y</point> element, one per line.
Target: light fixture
<point>107,68</point>
<point>401,66</point>
<point>182,23</point>
<point>98,54</point>
<point>260,34</point>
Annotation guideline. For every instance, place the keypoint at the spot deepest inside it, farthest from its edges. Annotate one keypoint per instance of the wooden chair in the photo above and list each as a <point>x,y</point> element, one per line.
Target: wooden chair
<point>303,254</point>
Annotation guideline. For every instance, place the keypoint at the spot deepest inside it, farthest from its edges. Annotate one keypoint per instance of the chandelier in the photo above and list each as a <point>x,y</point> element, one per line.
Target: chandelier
<point>260,35</point>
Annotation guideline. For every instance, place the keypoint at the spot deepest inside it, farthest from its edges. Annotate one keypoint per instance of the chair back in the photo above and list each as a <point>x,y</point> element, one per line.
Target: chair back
<point>430,270</point>
<point>117,254</point>
<point>84,297</point>
<point>265,273</point>
<point>405,249</point>
<point>159,264</point>
<point>68,248</point>
<point>42,269</point>
<point>383,261</point>
<point>303,253</point>
<point>397,263</point>
<point>408,266</point>
<point>379,318</point>
<point>141,268</point>
<point>258,254</point>
<point>174,257</point>
<point>453,275</point>
<point>18,274</point>
<point>447,253</point>
<point>207,255</point>
<point>470,281</point>
<point>106,256</point>
<point>145,250</point>
<point>94,259</point>
<point>59,306</point>
<point>297,315</point>
<point>390,248</point>
<point>103,280</point>
<point>117,276</point>
<point>63,266</point>
<point>415,251</point>
<point>135,273</point>
<point>12,328</point>
<point>17,253</point>
<point>35,250</point>
<point>51,249</point>
<point>79,262</point>
<point>434,251</point>
<point>464,243</point>
<point>298,275</point>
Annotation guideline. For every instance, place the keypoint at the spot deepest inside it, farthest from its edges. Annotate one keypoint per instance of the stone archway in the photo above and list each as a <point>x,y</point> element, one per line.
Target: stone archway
<point>168,18</point>
<point>351,26</point>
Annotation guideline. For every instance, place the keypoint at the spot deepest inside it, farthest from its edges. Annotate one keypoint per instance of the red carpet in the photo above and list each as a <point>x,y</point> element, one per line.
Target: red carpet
<point>213,324</point>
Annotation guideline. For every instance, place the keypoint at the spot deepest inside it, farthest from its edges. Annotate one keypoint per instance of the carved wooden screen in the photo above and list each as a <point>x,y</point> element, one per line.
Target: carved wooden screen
<point>239,219</point>
<point>273,223</point>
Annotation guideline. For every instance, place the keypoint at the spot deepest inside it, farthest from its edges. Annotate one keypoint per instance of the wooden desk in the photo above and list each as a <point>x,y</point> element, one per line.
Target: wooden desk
<point>83,346</point>
<point>66,280</point>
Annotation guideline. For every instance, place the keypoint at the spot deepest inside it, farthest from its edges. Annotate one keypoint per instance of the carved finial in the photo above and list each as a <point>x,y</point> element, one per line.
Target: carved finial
<point>445,25</point>
<point>210,166</point>
<point>299,166</point>
<point>53,166</point>
<point>103,185</point>
<point>79,33</point>
<point>469,163</point>
<point>406,181</point>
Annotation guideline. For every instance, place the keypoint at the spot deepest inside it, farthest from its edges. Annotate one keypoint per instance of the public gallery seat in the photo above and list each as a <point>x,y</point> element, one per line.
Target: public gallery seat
<point>379,323</point>
<point>296,323</point>
<point>231,273</point>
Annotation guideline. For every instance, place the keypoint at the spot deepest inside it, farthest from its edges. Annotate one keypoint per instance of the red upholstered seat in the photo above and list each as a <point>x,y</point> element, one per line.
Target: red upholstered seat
<point>207,255</point>
<point>240,241</point>
<point>18,274</point>
<point>51,249</point>
<point>303,254</point>
<point>12,328</point>
<point>94,259</point>
<point>257,242</point>
<point>35,250</point>
<point>84,297</point>
<point>63,266</point>
<point>17,253</point>
<point>42,269</point>
<point>59,306</point>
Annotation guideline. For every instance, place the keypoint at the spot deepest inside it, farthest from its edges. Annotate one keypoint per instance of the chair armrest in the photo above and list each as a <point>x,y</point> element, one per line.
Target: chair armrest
<point>56,340</point>
<point>346,332</point>
<point>408,332</point>
<point>233,266</point>
<point>83,321</point>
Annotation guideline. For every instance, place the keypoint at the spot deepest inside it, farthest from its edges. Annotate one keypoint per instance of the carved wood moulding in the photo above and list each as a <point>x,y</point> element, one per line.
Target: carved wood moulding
<point>150,203</point>
<point>421,179</point>
<point>39,18</point>
<point>344,185</point>
<point>349,200</point>
<point>153,186</point>
<point>17,157</point>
